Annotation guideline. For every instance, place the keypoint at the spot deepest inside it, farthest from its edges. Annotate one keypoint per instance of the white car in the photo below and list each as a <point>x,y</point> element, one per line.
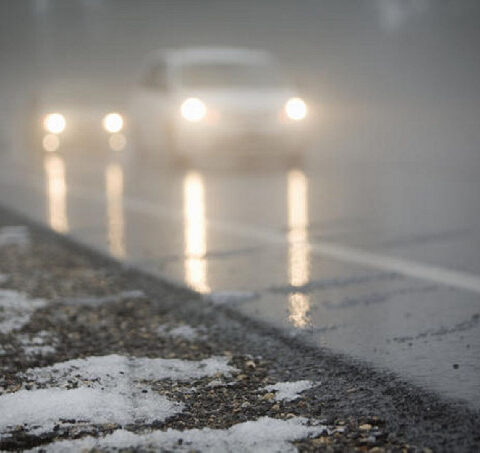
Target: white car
<point>198,101</point>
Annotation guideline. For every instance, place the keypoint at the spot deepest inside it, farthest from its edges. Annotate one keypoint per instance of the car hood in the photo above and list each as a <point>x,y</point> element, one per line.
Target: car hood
<point>241,100</point>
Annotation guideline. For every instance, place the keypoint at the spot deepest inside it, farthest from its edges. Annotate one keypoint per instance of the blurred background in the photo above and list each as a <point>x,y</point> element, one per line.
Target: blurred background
<point>394,79</point>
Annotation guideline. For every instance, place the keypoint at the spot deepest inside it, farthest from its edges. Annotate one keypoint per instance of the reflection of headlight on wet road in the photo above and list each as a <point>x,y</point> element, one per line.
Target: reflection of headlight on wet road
<point>117,142</point>
<point>50,142</point>
<point>113,122</point>
<point>296,109</point>
<point>193,109</point>
<point>54,123</point>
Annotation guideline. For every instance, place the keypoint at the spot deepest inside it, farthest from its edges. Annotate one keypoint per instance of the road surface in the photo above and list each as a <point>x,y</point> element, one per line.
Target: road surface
<point>373,260</point>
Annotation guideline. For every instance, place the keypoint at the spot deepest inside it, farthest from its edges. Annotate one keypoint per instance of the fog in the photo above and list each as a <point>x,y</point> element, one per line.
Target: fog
<point>393,79</point>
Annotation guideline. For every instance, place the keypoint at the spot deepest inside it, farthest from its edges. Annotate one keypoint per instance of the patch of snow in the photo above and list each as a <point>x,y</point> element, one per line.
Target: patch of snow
<point>14,235</point>
<point>40,410</point>
<point>289,391</point>
<point>184,331</point>
<point>266,434</point>
<point>16,309</point>
<point>187,332</point>
<point>41,343</point>
<point>93,301</point>
<point>111,367</point>
<point>38,350</point>
<point>216,383</point>
<point>106,389</point>
<point>231,297</point>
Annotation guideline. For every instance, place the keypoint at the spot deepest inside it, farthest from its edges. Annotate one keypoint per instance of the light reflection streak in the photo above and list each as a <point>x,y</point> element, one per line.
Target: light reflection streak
<point>195,232</point>
<point>115,214</point>
<point>299,248</point>
<point>56,193</point>
<point>117,142</point>
<point>51,143</point>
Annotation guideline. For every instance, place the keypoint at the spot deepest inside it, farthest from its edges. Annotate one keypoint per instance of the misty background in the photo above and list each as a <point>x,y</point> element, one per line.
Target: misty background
<point>392,79</point>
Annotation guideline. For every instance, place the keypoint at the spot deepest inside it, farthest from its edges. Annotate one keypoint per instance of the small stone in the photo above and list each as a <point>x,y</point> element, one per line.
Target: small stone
<point>268,396</point>
<point>365,427</point>
<point>321,441</point>
<point>250,364</point>
<point>456,365</point>
<point>275,407</point>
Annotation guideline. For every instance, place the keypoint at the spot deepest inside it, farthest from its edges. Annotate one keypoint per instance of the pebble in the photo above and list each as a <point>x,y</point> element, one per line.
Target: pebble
<point>250,364</point>
<point>365,427</point>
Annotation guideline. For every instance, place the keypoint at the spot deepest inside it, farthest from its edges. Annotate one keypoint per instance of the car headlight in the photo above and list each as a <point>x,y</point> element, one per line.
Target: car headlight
<point>296,109</point>
<point>193,109</point>
<point>113,122</point>
<point>54,123</point>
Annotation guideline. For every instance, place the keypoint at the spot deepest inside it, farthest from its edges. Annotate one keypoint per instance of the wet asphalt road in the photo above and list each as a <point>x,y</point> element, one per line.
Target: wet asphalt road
<point>377,260</point>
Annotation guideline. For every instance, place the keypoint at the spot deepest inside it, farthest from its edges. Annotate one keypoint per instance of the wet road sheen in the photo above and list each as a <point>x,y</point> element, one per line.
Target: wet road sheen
<point>377,261</point>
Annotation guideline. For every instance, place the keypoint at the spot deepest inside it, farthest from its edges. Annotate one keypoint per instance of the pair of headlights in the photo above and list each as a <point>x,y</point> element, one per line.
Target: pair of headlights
<point>55,123</point>
<point>194,110</point>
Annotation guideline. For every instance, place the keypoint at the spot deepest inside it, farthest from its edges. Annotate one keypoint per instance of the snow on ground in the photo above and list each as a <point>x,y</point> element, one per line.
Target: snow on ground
<point>41,343</point>
<point>16,309</point>
<point>35,349</point>
<point>40,410</point>
<point>97,390</point>
<point>289,391</point>
<point>14,235</point>
<point>111,367</point>
<point>184,331</point>
<point>266,434</point>
<point>187,332</point>
<point>93,301</point>
<point>230,297</point>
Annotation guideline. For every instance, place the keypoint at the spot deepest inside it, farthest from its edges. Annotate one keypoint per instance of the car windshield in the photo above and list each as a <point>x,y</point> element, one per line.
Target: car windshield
<point>230,75</point>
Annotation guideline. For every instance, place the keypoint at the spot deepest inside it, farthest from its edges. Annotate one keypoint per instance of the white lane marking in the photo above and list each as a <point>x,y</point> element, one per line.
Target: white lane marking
<point>338,252</point>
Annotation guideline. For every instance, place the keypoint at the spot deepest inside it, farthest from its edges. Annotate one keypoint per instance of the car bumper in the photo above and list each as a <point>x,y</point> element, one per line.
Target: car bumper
<point>198,141</point>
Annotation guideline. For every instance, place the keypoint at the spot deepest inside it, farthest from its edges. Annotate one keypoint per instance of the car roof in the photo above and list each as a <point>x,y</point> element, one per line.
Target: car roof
<point>192,55</point>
